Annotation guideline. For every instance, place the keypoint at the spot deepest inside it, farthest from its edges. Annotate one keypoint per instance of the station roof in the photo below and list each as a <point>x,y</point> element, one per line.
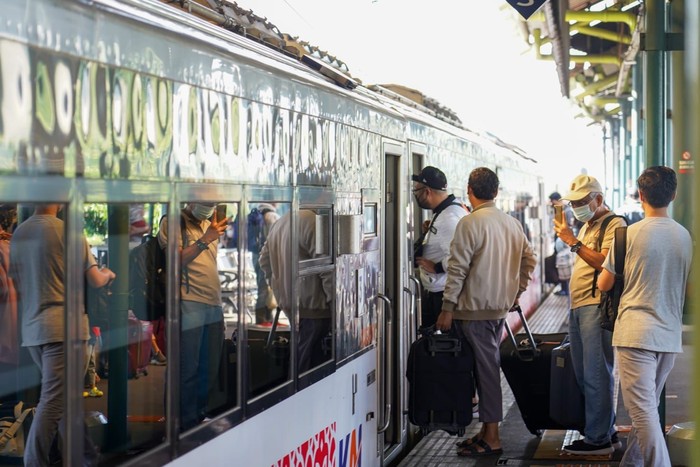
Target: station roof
<point>594,44</point>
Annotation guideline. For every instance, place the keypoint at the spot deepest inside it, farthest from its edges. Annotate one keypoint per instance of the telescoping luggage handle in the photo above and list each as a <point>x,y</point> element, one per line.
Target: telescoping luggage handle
<point>528,351</point>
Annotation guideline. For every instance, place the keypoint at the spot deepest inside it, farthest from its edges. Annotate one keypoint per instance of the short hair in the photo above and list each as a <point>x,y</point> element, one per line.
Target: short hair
<point>658,185</point>
<point>484,183</point>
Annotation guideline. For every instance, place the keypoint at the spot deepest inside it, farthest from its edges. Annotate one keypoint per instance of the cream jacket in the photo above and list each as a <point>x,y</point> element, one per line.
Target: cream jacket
<point>489,267</point>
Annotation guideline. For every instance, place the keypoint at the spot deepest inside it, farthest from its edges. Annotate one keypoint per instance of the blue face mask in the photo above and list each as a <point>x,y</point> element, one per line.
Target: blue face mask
<point>584,213</point>
<point>202,212</point>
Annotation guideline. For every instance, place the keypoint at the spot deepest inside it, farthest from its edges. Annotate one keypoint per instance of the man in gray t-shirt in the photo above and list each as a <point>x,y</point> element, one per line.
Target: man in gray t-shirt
<point>37,262</point>
<point>648,328</point>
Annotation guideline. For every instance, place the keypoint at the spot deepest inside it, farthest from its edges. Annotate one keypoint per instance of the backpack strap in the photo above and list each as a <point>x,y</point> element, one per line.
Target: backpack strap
<point>599,246</point>
<point>20,416</point>
<point>183,233</point>
<point>620,251</point>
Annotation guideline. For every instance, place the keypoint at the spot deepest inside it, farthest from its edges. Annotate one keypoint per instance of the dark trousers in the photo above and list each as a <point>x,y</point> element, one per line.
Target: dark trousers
<point>432,306</point>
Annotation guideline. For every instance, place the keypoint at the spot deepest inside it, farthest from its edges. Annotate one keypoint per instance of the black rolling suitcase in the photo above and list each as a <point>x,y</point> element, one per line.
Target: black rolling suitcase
<point>566,403</point>
<point>441,385</point>
<point>526,361</point>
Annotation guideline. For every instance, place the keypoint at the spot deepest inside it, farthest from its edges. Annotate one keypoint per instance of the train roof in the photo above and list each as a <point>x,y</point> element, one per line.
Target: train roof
<point>410,103</point>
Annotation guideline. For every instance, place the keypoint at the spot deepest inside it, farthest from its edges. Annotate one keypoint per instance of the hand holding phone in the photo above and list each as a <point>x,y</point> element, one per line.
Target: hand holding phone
<point>558,213</point>
<point>220,212</point>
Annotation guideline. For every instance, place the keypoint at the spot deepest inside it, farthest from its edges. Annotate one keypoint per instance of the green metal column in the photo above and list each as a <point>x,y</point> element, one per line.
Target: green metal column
<point>626,150</point>
<point>682,208</point>
<point>654,102</point>
<point>692,68</point>
<point>118,242</point>
<point>638,148</point>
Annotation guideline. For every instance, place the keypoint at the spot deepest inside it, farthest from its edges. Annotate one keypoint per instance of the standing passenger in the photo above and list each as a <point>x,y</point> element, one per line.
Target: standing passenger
<point>37,264</point>
<point>430,191</point>
<point>591,346</point>
<point>648,328</point>
<point>202,318</point>
<point>489,267</point>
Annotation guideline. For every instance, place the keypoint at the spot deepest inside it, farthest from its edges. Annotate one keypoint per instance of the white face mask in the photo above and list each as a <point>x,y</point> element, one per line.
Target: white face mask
<point>584,213</point>
<point>201,212</point>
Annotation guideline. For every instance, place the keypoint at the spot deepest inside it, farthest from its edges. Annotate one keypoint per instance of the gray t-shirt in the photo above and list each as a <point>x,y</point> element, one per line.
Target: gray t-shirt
<point>657,264</point>
<point>37,265</point>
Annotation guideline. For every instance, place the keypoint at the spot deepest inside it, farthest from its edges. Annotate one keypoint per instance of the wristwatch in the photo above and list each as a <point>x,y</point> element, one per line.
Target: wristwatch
<point>201,245</point>
<point>576,246</point>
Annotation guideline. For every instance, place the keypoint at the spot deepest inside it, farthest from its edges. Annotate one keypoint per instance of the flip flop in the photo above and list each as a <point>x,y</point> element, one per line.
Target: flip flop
<point>468,442</point>
<point>471,451</point>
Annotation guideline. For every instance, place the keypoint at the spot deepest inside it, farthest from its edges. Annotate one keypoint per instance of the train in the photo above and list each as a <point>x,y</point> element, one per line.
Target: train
<point>114,107</point>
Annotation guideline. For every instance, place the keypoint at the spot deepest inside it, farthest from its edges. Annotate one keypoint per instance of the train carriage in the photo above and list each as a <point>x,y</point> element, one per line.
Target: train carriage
<point>111,108</point>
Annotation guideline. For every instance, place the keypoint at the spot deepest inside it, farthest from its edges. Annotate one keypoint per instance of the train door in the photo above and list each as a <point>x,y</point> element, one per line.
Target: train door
<point>391,354</point>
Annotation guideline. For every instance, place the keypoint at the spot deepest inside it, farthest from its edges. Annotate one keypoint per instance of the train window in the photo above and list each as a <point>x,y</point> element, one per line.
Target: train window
<point>370,220</point>
<point>127,352</point>
<point>315,229</point>
<point>268,330</point>
<point>315,337</point>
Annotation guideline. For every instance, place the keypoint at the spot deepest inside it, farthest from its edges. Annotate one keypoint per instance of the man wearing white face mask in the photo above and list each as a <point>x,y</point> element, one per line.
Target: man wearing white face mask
<point>591,346</point>
<point>202,319</point>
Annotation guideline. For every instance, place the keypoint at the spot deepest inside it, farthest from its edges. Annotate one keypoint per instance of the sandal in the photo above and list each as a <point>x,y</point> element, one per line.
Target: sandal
<point>465,443</point>
<point>472,451</point>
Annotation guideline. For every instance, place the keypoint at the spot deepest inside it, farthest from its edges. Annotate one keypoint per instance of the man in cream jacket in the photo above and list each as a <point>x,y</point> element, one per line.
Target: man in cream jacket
<point>489,267</point>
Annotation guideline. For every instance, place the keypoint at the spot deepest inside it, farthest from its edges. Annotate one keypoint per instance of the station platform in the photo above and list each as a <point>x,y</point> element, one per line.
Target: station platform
<point>522,448</point>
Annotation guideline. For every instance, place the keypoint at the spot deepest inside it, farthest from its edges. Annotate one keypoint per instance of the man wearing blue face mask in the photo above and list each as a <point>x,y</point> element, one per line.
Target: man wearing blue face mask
<point>591,345</point>
<point>202,319</point>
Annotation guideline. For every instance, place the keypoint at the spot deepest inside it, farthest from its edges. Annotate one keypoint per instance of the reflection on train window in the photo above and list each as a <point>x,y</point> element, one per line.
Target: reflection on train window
<point>369,212</point>
<point>315,236</point>
<point>209,308</point>
<point>269,334</point>
<point>315,344</point>
<point>140,360</point>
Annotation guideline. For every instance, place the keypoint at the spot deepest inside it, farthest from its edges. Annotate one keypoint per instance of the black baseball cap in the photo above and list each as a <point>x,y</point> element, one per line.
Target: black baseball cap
<point>431,177</point>
<point>555,196</point>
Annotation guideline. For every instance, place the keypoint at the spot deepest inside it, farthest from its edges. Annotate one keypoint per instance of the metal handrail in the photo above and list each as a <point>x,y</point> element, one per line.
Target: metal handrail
<point>386,361</point>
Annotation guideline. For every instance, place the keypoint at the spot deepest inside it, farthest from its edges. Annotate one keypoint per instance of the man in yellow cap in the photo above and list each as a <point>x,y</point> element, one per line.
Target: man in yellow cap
<point>591,346</point>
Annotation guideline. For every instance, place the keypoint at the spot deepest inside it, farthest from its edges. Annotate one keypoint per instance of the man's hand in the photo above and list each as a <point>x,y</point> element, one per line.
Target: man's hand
<point>426,264</point>
<point>564,232</point>
<point>444,321</point>
<point>215,229</point>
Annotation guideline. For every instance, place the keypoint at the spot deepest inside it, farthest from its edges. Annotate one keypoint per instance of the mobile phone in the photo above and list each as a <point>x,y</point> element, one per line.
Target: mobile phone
<point>558,211</point>
<point>220,212</point>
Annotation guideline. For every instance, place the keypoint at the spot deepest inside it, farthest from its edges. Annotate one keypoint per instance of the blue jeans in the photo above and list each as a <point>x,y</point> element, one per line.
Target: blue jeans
<point>593,358</point>
<point>202,340</point>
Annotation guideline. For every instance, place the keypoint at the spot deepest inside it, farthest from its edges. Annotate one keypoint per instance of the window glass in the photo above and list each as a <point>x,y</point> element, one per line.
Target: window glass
<point>127,352</point>
<point>268,227</point>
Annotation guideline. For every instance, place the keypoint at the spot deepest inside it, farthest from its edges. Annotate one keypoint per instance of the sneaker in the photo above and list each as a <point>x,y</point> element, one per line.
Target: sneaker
<point>93,392</point>
<point>159,359</point>
<point>615,441</point>
<point>582,448</point>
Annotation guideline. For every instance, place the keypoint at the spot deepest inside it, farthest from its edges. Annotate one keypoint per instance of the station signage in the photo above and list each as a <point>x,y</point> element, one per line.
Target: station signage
<point>526,8</point>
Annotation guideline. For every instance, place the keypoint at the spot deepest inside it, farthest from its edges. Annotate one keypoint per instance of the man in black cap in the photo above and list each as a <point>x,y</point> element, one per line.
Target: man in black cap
<point>433,247</point>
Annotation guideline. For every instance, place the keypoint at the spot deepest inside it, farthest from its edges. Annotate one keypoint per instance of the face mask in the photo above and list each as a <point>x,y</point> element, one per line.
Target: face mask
<point>201,212</point>
<point>584,213</point>
<point>421,202</point>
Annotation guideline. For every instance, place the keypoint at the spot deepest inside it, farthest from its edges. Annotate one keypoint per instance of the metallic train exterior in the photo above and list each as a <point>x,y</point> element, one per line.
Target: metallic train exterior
<point>142,93</point>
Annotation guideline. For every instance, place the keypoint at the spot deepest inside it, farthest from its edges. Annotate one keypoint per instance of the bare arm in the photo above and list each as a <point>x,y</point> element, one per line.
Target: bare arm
<point>97,277</point>
<point>606,279</point>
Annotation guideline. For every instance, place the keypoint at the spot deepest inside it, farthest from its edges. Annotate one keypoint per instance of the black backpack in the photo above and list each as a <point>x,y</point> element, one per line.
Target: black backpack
<point>147,277</point>
<point>599,245</point>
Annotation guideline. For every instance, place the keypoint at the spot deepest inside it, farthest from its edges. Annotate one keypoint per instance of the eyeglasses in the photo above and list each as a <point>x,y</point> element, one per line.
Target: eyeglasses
<point>581,202</point>
<point>418,190</point>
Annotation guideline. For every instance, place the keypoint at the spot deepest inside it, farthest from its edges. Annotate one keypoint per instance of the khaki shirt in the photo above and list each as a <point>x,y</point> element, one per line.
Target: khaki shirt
<point>583,275</point>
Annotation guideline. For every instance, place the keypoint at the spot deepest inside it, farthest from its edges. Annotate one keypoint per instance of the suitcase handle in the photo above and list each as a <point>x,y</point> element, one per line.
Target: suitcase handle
<point>530,351</point>
<point>439,343</point>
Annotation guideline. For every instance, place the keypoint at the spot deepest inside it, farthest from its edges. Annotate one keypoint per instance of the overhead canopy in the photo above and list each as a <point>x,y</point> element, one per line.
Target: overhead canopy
<point>594,43</point>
